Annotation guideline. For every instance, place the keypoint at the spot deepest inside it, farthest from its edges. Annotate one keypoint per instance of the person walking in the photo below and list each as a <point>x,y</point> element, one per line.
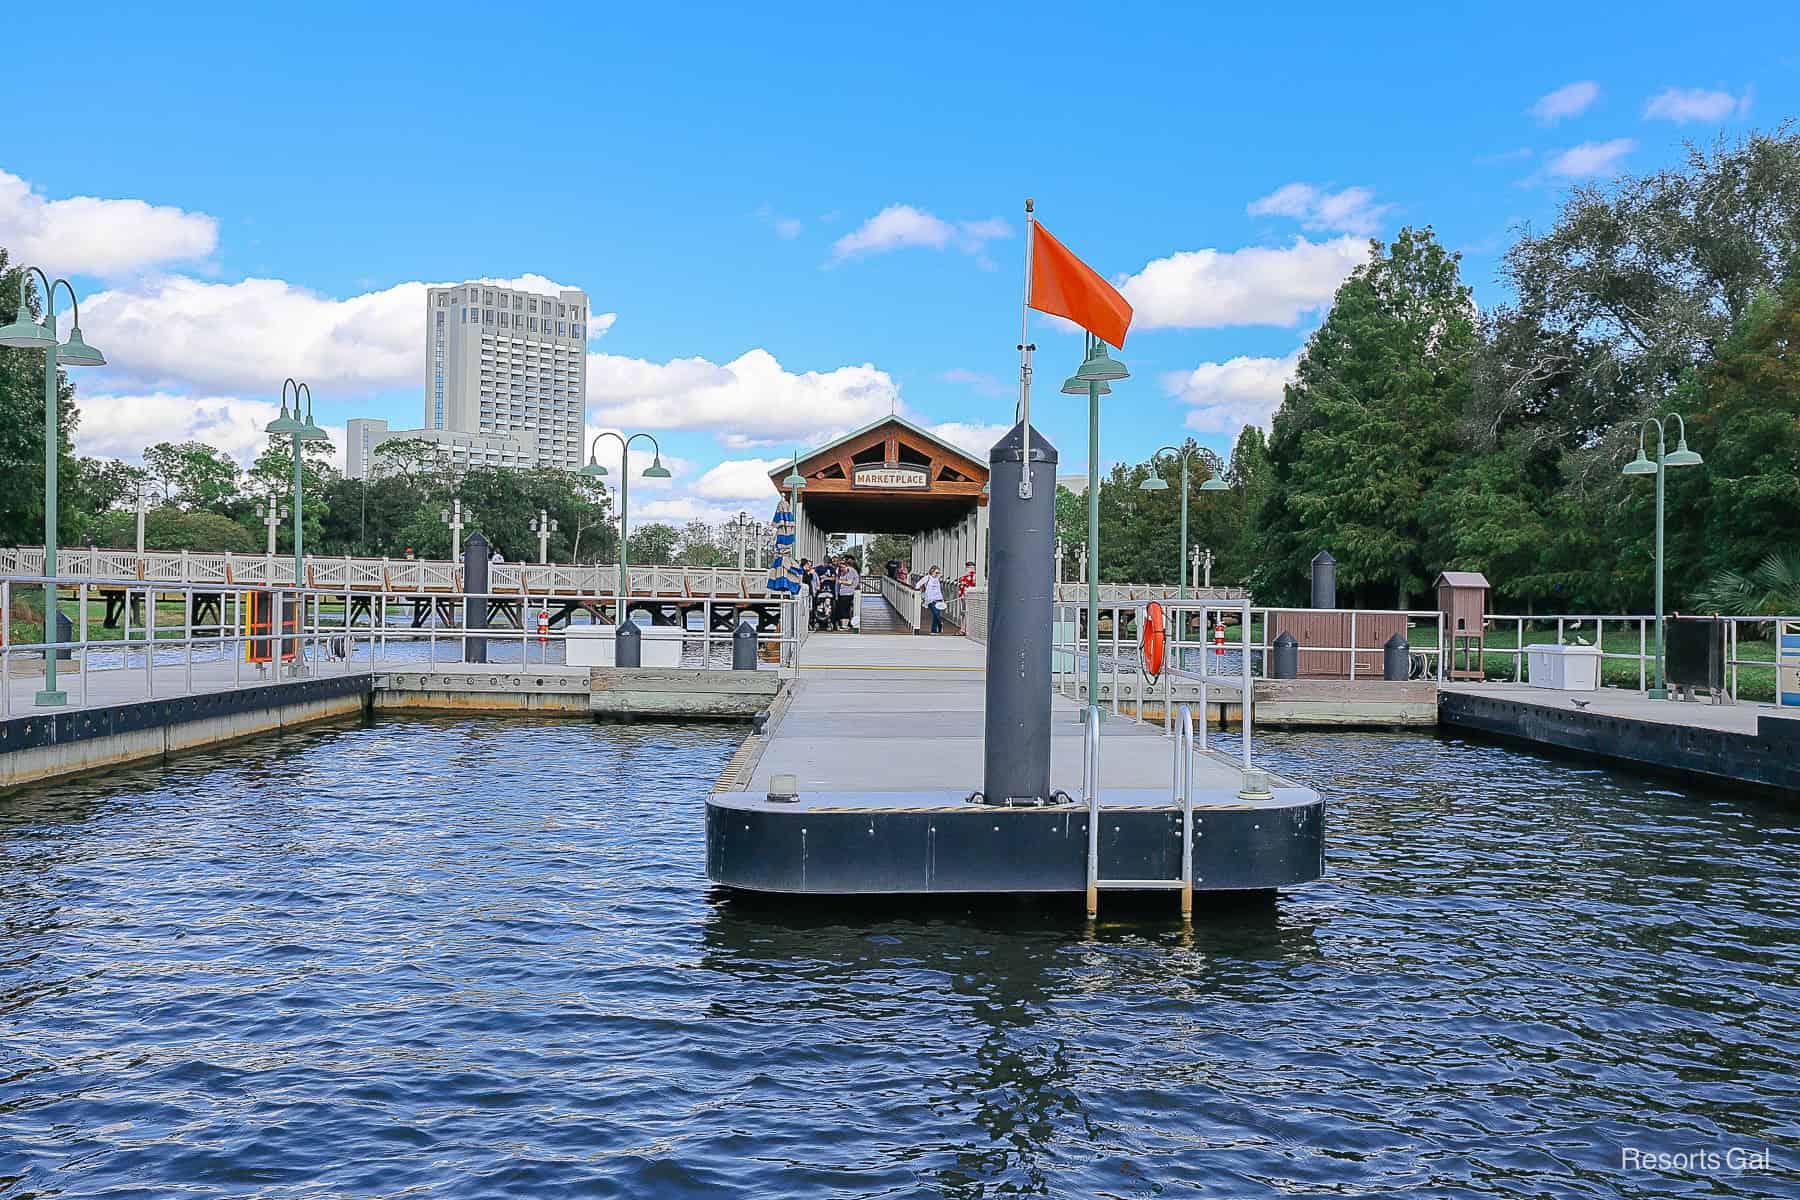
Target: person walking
<point>966,580</point>
<point>931,588</point>
<point>849,582</point>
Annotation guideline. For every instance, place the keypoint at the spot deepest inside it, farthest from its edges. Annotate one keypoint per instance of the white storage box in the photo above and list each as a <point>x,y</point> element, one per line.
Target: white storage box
<point>1564,668</point>
<point>592,645</point>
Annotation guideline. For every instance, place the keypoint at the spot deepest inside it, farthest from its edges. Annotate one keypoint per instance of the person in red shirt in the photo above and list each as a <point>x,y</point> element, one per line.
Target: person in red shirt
<point>966,580</point>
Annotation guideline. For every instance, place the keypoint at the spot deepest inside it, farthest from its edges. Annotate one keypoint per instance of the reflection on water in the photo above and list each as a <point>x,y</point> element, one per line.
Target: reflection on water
<point>480,958</point>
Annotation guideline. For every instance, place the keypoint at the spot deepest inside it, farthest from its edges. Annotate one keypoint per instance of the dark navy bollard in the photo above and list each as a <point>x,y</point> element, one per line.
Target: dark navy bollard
<point>65,632</point>
<point>1284,658</point>
<point>1021,551</point>
<point>628,645</point>
<point>1396,658</point>
<point>475,587</point>
<point>743,647</point>
<point>1324,580</point>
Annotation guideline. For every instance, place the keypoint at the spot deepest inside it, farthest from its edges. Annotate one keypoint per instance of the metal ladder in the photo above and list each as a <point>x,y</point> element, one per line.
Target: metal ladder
<point>1181,792</point>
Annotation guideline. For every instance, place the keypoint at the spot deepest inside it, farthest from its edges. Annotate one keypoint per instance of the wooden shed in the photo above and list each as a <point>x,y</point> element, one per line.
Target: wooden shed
<point>1462,605</point>
<point>1341,629</point>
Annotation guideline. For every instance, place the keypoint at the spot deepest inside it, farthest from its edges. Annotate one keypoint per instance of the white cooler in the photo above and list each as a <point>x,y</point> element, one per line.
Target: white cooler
<point>1564,668</point>
<point>592,645</point>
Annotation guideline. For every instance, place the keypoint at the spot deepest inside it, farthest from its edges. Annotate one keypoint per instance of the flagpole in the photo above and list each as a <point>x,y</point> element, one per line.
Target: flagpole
<point>1025,348</point>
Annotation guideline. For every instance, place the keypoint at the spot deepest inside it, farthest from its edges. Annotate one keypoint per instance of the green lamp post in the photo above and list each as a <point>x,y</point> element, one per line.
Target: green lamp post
<point>25,334</point>
<point>1682,457</point>
<point>301,429</point>
<point>1214,483</point>
<point>794,482</point>
<point>1097,370</point>
<point>654,471</point>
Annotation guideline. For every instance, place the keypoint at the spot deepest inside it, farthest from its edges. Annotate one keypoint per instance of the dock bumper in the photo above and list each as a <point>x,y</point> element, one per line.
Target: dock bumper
<point>917,843</point>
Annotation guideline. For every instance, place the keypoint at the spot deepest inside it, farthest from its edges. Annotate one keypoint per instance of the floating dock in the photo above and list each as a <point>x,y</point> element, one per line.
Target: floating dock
<point>883,742</point>
<point>1731,744</point>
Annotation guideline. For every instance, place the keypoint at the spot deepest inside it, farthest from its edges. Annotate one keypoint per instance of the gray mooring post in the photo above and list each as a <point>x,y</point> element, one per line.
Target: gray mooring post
<point>1285,658</point>
<point>1021,551</point>
<point>743,647</point>
<point>628,645</point>
<point>1396,658</point>
<point>475,587</point>
<point>1324,580</point>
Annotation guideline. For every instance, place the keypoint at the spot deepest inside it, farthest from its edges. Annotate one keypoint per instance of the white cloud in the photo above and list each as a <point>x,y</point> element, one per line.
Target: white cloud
<point>86,235</point>
<point>1223,397</point>
<point>749,400</point>
<point>971,438</point>
<point>788,227</point>
<point>179,333</point>
<point>740,479</point>
<point>981,381</point>
<point>1352,210</point>
<point>1570,100</point>
<point>1682,105</point>
<point>120,426</point>
<point>1256,285</point>
<point>901,225</point>
<point>1589,158</point>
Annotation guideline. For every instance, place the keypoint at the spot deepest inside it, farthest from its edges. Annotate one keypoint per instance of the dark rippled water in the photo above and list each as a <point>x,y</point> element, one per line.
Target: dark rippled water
<point>434,958</point>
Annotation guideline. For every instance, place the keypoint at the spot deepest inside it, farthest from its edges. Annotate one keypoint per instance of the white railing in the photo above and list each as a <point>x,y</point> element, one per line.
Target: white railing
<point>1127,593</point>
<point>334,572</point>
<point>1428,644</point>
<point>905,598</point>
<point>329,631</point>
<point>1591,629</point>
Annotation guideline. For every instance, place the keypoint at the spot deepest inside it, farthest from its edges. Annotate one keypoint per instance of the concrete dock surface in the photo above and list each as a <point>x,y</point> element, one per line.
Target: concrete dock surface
<point>873,714</point>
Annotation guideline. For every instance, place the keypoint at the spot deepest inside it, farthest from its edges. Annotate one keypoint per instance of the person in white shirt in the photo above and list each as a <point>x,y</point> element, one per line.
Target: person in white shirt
<point>931,588</point>
<point>848,583</point>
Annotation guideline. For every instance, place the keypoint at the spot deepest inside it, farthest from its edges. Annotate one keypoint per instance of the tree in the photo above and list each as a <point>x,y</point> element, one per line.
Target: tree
<point>195,474</point>
<point>653,545</point>
<point>22,430</point>
<point>1369,424</point>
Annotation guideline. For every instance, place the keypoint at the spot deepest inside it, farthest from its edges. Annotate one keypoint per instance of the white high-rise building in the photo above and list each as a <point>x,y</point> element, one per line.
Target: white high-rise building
<point>505,380</point>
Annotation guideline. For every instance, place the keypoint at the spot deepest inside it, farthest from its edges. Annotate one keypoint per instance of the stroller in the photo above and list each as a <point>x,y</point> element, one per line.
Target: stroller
<point>824,603</point>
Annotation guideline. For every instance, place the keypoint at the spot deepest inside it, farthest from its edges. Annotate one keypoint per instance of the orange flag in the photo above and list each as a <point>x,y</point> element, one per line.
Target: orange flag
<point>1064,285</point>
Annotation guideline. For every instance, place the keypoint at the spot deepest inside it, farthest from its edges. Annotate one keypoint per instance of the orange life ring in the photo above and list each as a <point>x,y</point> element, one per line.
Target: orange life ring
<point>1151,640</point>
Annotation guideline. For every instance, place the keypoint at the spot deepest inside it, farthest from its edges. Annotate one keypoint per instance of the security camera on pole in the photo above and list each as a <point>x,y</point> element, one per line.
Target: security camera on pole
<point>543,525</point>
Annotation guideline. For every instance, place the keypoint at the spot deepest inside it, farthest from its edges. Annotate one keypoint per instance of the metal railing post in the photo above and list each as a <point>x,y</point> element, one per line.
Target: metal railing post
<point>1184,749</point>
<point>81,594</point>
<point>1249,695</point>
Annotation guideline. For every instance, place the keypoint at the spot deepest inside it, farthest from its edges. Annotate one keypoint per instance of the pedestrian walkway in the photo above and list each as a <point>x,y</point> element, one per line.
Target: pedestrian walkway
<point>879,617</point>
<point>882,714</point>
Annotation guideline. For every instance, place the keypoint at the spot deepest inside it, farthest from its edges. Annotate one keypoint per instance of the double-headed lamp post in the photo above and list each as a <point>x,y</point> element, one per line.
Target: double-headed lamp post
<point>302,429</point>
<point>1097,370</point>
<point>543,525</point>
<point>1681,457</point>
<point>654,471</point>
<point>25,334</point>
<point>1214,483</point>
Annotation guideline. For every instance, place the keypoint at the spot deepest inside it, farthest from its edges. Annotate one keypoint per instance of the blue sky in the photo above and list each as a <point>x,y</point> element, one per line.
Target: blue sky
<point>267,189</point>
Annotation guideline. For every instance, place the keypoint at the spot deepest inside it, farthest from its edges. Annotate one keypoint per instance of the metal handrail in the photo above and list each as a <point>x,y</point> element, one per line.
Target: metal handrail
<point>318,641</point>
<point>1183,782</point>
<point>1090,788</point>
